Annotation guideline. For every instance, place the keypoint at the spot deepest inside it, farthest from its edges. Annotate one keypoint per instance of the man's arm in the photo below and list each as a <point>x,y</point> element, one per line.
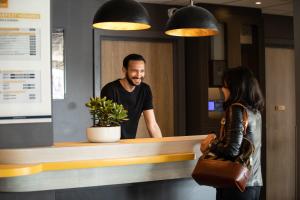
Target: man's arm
<point>152,126</point>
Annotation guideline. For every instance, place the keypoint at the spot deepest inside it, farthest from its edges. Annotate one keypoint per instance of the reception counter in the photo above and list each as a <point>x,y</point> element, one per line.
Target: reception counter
<point>82,164</point>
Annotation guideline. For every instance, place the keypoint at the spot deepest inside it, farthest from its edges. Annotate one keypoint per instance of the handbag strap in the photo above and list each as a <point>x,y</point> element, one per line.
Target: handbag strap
<point>245,120</point>
<point>245,157</point>
<point>245,117</point>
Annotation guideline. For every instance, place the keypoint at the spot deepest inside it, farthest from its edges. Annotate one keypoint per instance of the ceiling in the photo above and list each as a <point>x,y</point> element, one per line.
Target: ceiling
<point>276,7</point>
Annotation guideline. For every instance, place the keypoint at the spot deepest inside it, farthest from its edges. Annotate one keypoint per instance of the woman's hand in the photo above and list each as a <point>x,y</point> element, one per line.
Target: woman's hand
<point>205,143</point>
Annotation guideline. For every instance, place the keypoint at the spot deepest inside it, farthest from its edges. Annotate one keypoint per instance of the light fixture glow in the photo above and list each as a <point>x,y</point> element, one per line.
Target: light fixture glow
<point>121,26</point>
<point>192,32</point>
<point>258,3</point>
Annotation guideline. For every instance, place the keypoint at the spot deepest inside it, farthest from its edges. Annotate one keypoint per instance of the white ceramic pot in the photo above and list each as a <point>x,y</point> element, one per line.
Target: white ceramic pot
<point>103,134</point>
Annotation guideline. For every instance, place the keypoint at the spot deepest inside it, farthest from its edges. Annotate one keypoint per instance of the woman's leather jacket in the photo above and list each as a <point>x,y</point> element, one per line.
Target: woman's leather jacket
<point>229,147</point>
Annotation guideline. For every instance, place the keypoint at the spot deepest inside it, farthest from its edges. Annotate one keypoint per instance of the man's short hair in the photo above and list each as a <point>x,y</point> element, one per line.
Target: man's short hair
<point>130,57</point>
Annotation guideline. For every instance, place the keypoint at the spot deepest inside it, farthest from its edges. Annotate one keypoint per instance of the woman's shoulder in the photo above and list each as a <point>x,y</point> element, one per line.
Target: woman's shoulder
<point>242,107</point>
<point>240,111</point>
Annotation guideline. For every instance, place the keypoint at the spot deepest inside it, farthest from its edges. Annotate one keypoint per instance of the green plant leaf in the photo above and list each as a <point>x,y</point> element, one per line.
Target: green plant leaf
<point>105,112</point>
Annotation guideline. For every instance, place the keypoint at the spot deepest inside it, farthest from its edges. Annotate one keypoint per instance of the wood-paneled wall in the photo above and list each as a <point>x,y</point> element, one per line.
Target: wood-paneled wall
<point>297,85</point>
<point>280,134</point>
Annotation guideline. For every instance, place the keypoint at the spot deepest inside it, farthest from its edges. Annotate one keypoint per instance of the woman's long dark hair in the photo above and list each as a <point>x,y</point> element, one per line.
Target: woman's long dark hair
<point>244,88</point>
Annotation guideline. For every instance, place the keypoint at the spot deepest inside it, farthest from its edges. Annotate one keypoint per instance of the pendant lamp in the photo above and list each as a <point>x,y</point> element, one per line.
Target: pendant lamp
<point>122,15</point>
<point>192,21</point>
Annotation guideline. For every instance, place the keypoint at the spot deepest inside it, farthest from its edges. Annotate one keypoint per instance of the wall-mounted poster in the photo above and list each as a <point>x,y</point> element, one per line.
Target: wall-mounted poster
<point>25,61</point>
<point>58,64</point>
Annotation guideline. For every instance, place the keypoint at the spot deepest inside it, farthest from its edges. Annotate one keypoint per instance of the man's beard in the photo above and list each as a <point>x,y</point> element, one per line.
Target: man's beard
<point>131,82</point>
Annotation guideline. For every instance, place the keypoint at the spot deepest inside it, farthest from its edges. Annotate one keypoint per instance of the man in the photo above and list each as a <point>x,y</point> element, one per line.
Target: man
<point>135,96</point>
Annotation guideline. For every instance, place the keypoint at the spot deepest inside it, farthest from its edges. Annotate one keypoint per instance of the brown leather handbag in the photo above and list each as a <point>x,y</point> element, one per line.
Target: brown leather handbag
<point>220,173</point>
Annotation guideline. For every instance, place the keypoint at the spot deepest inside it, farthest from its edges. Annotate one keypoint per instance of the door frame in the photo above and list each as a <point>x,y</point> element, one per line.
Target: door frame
<point>178,71</point>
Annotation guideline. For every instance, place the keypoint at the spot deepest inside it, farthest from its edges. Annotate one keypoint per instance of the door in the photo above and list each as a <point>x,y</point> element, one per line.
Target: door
<point>158,74</point>
<point>280,111</point>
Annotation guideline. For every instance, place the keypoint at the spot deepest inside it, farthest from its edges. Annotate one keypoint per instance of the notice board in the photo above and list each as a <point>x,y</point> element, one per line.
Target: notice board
<point>25,61</point>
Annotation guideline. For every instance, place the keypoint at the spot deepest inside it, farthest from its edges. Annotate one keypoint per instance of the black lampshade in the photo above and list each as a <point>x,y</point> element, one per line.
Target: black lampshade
<point>122,15</point>
<point>192,21</point>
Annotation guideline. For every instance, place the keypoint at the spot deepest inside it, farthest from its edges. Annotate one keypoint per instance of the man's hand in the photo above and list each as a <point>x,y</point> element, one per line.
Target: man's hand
<point>205,143</point>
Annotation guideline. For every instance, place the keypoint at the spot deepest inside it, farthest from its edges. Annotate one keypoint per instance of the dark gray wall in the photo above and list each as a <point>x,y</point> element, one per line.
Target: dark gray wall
<point>70,117</point>
<point>297,75</point>
<point>26,135</point>
<point>183,189</point>
<point>43,195</point>
<point>278,31</point>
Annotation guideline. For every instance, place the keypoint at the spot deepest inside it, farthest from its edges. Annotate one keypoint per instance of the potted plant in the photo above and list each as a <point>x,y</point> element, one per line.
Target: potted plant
<point>107,116</point>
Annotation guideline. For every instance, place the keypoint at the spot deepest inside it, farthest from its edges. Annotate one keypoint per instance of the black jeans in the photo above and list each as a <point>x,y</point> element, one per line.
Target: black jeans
<point>251,193</point>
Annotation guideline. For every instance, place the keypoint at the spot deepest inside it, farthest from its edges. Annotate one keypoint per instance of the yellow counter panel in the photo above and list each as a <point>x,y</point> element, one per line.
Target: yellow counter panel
<point>8,170</point>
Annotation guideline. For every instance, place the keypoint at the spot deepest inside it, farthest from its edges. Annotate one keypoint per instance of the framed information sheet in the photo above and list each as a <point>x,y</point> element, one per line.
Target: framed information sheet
<point>25,61</point>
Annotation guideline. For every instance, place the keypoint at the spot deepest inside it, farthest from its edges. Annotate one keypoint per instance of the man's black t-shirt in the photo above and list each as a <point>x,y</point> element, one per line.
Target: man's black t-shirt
<point>135,102</point>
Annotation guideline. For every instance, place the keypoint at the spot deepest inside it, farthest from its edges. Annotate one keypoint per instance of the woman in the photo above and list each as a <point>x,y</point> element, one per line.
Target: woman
<point>240,86</point>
